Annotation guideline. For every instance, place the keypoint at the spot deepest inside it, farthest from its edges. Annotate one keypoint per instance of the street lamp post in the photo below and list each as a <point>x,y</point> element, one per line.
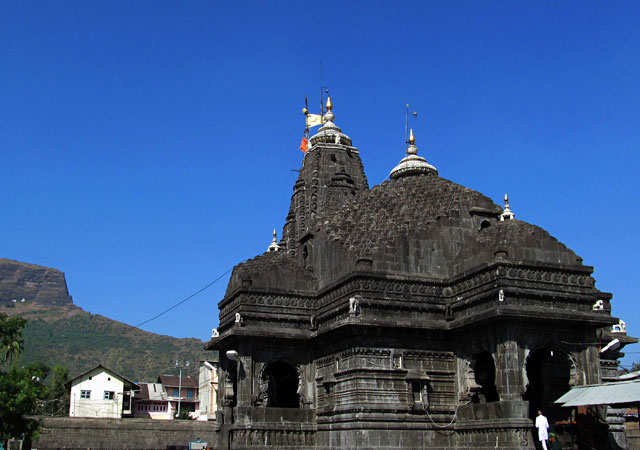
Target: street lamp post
<point>180,366</point>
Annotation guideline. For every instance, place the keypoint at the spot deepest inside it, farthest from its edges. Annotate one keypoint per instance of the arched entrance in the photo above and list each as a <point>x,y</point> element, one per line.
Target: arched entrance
<point>485,377</point>
<point>280,382</point>
<point>549,372</point>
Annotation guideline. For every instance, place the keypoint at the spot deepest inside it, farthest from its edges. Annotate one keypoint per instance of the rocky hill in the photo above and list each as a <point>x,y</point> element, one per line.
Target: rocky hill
<point>22,282</point>
<point>58,332</point>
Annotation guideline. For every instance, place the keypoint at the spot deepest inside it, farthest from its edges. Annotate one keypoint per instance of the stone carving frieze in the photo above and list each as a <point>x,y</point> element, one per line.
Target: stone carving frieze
<point>465,296</point>
<point>272,437</point>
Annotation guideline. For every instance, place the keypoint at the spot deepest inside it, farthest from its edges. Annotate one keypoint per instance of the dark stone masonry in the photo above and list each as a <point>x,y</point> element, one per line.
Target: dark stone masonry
<point>416,314</point>
<point>133,434</point>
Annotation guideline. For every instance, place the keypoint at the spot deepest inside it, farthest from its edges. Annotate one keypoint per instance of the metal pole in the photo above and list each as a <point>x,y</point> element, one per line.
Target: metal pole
<point>406,131</point>
<point>179,391</point>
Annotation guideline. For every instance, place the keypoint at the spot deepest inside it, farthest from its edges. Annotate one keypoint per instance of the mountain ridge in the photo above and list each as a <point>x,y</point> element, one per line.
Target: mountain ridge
<point>60,332</point>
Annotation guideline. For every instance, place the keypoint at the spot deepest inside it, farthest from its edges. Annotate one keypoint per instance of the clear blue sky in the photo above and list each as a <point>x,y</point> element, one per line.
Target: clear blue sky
<point>147,147</point>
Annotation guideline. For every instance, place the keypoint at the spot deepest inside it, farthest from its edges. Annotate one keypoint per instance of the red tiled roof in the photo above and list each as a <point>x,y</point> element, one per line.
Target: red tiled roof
<point>174,380</point>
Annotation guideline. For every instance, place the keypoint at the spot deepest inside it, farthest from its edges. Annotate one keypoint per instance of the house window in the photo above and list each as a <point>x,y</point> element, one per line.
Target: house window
<point>85,394</point>
<point>108,395</point>
<point>176,393</point>
<point>189,393</point>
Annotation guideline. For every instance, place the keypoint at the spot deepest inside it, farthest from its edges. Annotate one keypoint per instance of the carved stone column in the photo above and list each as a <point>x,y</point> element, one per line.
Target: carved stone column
<point>245,378</point>
<point>509,369</point>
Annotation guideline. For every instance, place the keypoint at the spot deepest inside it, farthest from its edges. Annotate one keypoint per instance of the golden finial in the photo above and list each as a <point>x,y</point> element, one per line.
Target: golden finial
<point>412,139</point>
<point>329,104</point>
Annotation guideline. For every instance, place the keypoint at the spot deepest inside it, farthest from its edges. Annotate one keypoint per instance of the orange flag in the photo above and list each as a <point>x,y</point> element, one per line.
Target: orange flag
<point>303,144</point>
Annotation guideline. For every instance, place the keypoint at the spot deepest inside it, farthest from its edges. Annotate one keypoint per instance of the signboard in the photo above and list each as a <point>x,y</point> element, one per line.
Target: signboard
<point>197,445</point>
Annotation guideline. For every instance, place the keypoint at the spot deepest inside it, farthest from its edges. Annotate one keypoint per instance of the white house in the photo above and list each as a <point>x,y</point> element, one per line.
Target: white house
<point>100,392</point>
<point>208,389</point>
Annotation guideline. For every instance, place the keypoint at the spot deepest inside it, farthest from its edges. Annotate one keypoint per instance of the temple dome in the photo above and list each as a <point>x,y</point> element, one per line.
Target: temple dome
<point>428,225</point>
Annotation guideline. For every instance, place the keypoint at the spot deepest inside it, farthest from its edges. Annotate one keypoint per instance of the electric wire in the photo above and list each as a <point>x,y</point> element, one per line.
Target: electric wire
<point>184,300</point>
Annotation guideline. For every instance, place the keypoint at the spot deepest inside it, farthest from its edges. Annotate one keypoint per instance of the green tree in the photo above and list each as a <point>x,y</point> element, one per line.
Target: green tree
<point>57,403</point>
<point>10,337</point>
<point>636,366</point>
<point>21,391</point>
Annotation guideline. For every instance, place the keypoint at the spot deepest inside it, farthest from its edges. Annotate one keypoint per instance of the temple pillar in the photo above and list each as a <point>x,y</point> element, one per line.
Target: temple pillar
<point>509,369</point>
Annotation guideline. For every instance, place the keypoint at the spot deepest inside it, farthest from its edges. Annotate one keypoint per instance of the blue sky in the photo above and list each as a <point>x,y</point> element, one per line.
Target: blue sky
<point>147,147</point>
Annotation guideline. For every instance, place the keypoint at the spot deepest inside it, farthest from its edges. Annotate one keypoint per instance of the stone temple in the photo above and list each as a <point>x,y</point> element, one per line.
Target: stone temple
<point>414,314</point>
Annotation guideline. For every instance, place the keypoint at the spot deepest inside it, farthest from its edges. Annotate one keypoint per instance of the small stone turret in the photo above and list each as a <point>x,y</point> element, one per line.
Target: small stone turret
<point>507,214</point>
<point>412,164</point>
<point>274,246</point>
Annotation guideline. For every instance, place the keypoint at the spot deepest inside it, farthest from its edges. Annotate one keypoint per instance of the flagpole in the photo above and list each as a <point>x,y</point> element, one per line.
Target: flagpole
<point>406,129</point>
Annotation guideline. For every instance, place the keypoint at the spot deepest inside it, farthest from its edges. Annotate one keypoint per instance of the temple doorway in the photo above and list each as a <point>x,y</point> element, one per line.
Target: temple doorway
<point>281,382</point>
<point>549,373</point>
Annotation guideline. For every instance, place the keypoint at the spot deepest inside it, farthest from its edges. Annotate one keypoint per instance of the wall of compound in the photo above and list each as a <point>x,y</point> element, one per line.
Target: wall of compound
<point>132,434</point>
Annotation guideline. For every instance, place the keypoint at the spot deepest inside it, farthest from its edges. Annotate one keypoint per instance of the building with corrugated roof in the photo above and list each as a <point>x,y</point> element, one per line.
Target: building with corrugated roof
<point>153,402</point>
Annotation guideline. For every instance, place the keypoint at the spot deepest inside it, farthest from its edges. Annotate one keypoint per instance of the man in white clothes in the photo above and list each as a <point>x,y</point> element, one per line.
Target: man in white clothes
<point>542,424</point>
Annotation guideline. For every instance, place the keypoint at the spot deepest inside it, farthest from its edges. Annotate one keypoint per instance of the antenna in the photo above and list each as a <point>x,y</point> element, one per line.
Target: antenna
<point>321,92</point>
<point>323,89</point>
<point>406,128</point>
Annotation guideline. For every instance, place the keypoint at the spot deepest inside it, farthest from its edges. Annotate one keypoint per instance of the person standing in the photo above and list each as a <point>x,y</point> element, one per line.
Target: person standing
<point>542,424</point>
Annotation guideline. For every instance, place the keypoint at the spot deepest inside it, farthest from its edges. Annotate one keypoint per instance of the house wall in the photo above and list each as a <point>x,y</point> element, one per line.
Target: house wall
<point>97,382</point>
<point>154,410</point>
<point>188,395</point>
<point>208,393</point>
<point>184,392</point>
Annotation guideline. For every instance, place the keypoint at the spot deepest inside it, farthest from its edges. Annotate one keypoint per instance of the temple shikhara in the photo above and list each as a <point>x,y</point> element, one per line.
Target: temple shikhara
<point>415,314</point>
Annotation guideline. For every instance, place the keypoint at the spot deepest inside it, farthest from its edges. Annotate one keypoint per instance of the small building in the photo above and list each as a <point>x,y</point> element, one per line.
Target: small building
<point>182,392</point>
<point>100,392</point>
<point>208,389</point>
<point>152,402</point>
